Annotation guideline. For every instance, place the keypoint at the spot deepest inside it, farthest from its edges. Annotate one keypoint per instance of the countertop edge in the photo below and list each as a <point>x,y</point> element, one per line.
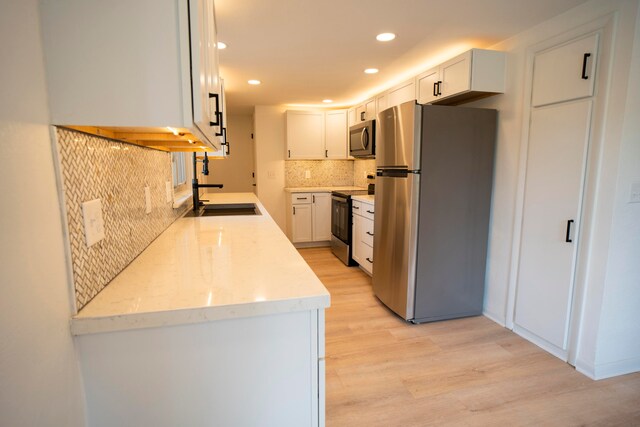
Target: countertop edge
<point>321,189</point>
<point>187,316</point>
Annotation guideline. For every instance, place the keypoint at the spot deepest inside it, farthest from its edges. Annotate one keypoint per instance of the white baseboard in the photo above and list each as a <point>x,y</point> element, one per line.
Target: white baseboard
<point>495,318</point>
<point>608,370</point>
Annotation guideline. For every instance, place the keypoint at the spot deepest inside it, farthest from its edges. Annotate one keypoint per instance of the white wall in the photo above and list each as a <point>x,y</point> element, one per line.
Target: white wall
<point>235,171</point>
<point>39,375</point>
<point>269,126</point>
<point>619,332</point>
<point>608,308</point>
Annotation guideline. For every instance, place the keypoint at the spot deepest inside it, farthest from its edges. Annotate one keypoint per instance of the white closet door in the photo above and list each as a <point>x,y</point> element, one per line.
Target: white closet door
<point>556,161</point>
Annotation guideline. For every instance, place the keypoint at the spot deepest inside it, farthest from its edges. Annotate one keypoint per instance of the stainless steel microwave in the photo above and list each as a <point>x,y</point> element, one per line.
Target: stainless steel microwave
<point>362,139</point>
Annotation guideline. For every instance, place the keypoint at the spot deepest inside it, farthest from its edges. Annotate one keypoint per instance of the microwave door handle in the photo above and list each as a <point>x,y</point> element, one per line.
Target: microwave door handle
<point>364,138</point>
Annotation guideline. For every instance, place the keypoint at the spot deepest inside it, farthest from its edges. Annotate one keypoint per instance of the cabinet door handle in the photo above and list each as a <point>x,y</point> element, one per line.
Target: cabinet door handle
<point>568,236</point>
<point>371,212</point>
<point>294,210</point>
<point>369,233</point>
<point>301,198</point>
<point>289,153</point>
<point>362,116</point>
<point>439,87</point>
<point>326,153</point>
<point>435,88</point>
<point>370,260</point>
<point>217,113</point>
<point>313,199</point>
<point>584,65</point>
<point>355,207</point>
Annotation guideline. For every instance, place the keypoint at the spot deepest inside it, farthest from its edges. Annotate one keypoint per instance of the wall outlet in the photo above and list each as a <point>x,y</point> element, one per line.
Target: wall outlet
<point>147,200</point>
<point>634,194</point>
<point>168,188</point>
<point>307,174</point>
<point>93,222</point>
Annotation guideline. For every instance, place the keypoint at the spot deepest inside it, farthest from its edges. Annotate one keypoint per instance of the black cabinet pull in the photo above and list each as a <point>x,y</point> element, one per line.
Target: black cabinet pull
<point>362,116</point>
<point>370,260</point>
<point>313,199</point>
<point>439,87</point>
<point>217,113</point>
<point>289,151</point>
<point>435,88</point>
<point>568,236</point>
<point>355,207</point>
<point>294,210</point>
<point>369,233</point>
<point>584,65</point>
<point>326,153</point>
<point>371,212</point>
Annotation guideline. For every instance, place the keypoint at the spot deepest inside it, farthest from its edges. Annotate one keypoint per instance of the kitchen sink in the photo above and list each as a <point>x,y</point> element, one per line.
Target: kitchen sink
<point>228,209</point>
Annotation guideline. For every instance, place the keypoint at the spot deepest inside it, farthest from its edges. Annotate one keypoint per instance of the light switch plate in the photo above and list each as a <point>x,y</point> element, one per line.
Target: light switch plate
<point>93,221</point>
<point>307,174</point>
<point>147,200</point>
<point>169,191</point>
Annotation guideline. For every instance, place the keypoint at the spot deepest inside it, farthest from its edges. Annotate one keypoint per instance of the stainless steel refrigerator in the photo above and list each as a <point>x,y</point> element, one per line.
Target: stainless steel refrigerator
<point>433,194</point>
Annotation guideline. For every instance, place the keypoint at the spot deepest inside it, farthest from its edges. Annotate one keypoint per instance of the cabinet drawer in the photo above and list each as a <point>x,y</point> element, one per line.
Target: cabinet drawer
<point>300,198</point>
<point>367,231</point>
<point>356,207</point>
<point>367,259</point>
<point>366,210</point>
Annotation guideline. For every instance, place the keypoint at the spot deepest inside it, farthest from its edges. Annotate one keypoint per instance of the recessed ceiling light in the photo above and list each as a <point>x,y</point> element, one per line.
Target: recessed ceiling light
<point>254,82</point>
<point>385,37</point>
<point>222,45</point>
<point>371,70</point>
<point>327,101</point>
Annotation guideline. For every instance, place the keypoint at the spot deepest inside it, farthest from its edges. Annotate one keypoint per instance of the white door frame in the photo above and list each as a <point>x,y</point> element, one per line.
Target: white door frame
<point>606,27</point>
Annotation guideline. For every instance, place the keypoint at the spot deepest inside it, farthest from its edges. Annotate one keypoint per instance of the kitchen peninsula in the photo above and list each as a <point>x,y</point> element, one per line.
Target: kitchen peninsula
<point>218,322</point>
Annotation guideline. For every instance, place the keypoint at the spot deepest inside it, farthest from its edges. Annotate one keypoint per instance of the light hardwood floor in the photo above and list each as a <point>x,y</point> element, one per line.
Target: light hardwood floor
<point>382,371</point>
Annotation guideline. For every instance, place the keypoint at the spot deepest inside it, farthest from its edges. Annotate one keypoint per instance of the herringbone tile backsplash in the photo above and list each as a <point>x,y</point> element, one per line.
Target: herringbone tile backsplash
<point>92,168</point>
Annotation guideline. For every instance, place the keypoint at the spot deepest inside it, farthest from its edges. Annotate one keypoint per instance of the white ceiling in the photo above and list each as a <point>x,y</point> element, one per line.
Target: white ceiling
<point>305,51</point>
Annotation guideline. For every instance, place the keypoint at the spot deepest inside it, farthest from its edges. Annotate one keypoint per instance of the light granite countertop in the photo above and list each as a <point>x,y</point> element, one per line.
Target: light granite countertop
<point>367,198</point>
<point>319,189</point>
<point>207,268</point>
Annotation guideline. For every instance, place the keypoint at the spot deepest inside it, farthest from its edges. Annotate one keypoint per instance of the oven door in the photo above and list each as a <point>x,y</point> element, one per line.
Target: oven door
<point>340,218</point>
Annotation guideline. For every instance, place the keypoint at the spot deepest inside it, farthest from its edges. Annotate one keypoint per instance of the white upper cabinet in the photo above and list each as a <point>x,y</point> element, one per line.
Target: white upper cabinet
<point>351,116</point>
<point>427,86</point>
<point>366,111</point>
<point>336,134</point>
<point>400,94</point>
<point>305,135</point>
<point>316,134</point>
<point>141,64</point>
<point>474,74</point>
<point>381,102</point>
<point>572,66</point>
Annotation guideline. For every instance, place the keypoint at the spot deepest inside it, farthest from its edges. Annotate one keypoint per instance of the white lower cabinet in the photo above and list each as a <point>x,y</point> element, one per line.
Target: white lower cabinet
<point>362,232</point>
<point>257,371</point>
<point>309,217</point>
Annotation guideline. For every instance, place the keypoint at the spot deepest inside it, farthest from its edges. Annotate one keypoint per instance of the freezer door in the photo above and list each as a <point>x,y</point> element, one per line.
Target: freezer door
<point>395,236</point>
<point>397,129</point>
